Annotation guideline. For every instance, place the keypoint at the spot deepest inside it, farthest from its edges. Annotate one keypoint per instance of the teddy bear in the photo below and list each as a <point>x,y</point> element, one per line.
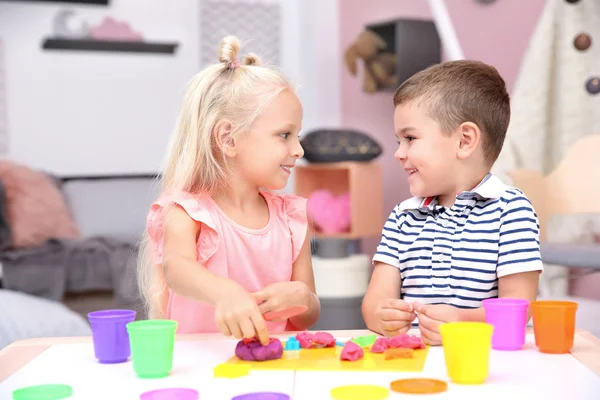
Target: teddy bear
<point>379,65</point>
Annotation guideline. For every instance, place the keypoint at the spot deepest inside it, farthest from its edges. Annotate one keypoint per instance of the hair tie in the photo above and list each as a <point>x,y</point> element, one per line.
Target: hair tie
<point>234,64</point>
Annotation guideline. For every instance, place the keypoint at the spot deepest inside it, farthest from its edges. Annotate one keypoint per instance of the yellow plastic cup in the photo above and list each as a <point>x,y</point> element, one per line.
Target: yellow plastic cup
<point>467,348</point>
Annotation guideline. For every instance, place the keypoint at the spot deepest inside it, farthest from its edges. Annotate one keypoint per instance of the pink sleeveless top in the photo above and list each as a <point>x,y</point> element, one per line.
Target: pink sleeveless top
<point>254,258</point>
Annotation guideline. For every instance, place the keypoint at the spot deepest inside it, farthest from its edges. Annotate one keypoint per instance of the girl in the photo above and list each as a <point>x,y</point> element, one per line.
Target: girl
<point>222,249</point>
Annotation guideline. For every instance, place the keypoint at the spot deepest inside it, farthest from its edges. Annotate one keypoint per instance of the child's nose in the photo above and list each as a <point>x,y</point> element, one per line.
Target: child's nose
<point>298,151</point>
<point>400,153</point>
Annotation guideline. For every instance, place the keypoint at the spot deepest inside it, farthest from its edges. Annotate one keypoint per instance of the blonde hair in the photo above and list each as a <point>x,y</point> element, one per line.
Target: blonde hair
<point>228,90</point>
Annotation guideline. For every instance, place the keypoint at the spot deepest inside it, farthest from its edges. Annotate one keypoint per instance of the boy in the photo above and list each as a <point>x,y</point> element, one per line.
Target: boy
<point>465,236</point>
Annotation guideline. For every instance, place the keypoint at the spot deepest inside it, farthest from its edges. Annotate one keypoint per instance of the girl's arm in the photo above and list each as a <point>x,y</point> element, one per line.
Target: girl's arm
<point>302,271</point>
<point>236,312</point>
<point>183,274</point>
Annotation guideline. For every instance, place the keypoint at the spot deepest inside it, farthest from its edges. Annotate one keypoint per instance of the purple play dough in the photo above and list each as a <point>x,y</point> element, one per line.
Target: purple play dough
<point>254,351</point>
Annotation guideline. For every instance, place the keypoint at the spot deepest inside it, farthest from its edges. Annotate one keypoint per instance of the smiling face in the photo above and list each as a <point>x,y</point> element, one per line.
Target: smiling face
<point>428,155</point>
<point>267,153</point>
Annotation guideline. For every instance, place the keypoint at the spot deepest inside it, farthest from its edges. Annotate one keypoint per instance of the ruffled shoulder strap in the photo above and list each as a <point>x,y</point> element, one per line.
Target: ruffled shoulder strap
<point>294,208</point>
<point>196,208</point>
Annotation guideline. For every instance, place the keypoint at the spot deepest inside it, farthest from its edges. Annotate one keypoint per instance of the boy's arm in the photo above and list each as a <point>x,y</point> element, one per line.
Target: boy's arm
<point>382,309</point>
<point>385,284</point>
<point>386,280</point>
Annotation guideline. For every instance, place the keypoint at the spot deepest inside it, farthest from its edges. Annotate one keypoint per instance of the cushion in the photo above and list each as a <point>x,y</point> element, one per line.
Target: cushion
<point>115,208</point>
<point>339,145</point>
<point>35,207</point>
<point>25,317</point>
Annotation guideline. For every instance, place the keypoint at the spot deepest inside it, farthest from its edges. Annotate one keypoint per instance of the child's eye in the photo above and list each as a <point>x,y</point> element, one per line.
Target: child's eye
<point>410,138</point>
<point>284,135</point>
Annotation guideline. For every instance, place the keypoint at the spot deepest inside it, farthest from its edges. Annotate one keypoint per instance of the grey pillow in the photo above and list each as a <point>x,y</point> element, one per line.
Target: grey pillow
<point>336,145</point>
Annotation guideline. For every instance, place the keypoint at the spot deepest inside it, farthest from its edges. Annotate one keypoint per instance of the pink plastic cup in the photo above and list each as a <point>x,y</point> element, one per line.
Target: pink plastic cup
<point>509,318</point>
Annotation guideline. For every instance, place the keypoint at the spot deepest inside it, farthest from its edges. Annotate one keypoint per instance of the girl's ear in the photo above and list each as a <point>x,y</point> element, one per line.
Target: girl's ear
<point>224,138</point>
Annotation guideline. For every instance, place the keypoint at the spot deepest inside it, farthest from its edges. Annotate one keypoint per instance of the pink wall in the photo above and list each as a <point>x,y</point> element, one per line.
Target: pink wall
<point>497,34</point>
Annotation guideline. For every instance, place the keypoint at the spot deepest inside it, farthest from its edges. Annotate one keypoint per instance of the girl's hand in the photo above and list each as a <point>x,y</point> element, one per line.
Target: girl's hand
<point>237,314</point>
<point>282,295</point>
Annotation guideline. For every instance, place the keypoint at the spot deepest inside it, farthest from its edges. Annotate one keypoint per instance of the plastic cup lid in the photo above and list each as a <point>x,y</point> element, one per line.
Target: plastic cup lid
<point>43,392</point>
<point>356,392</point>
<point>170,394</point>
<point>262,396</point>
<point>419,386</point>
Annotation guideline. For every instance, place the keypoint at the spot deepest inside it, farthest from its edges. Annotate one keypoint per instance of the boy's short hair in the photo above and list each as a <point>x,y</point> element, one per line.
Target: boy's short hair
<point>459,91</point>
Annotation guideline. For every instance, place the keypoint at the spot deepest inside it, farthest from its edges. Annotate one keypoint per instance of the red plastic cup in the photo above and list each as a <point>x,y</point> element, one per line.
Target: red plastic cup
<point>509,318</point>
<point>109,334</point>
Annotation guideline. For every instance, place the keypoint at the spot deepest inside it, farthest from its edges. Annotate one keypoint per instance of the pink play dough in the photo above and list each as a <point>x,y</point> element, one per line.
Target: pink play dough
<point>402,341</point>
<point>406,342</point>
<point>351,352</point>
<point>380,345</point>
<point>319,339</point>
<point>252,350</point>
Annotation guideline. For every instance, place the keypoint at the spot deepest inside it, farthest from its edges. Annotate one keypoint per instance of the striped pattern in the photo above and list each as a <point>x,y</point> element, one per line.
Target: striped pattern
<point>256,23</point>
<point>456,255</point>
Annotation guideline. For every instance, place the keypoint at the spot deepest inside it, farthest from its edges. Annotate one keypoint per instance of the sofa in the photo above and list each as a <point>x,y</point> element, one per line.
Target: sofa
<point>94,269</point>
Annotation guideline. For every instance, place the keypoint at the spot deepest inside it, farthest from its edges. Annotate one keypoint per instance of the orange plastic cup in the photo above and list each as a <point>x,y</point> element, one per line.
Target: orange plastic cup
<point>554,325</point>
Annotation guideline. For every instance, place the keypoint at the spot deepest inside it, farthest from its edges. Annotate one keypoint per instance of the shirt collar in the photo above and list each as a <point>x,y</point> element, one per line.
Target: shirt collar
<point>490,187</point>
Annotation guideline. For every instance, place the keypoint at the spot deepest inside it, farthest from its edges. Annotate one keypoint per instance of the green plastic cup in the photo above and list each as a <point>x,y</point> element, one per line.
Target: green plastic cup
<point>152,343</point>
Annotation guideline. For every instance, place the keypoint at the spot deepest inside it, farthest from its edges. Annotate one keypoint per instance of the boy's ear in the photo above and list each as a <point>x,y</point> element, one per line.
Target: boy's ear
<point>469,139</point>
<point>224,139</point>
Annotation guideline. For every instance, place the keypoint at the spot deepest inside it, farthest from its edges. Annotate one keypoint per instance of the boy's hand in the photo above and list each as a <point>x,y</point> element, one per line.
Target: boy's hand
<point>395,316</point>
<point>282,295</point>
<point>237,314</point>
<point>431,316</point>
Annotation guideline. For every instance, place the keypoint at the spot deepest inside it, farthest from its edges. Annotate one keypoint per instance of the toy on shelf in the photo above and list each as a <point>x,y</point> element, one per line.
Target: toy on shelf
<point>392,51</point>
<point>338,189</point>
<point>379,62</point>
<point>330,214</point>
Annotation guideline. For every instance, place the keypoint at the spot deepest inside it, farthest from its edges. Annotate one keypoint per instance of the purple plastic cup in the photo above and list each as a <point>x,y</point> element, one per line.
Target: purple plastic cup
<point>509,318</point>
<point>109,334</point>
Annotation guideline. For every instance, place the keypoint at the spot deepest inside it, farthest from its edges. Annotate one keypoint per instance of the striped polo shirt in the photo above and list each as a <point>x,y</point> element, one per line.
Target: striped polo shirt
<point>455,255</point>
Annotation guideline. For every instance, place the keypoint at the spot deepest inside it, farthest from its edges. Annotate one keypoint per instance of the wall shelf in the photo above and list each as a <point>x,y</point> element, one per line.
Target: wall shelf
<point>96,2</point>
<point>110,46</point>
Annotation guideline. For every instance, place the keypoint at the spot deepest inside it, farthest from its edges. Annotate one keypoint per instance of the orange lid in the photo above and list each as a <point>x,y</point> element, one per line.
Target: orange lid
<point>419,386</point>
